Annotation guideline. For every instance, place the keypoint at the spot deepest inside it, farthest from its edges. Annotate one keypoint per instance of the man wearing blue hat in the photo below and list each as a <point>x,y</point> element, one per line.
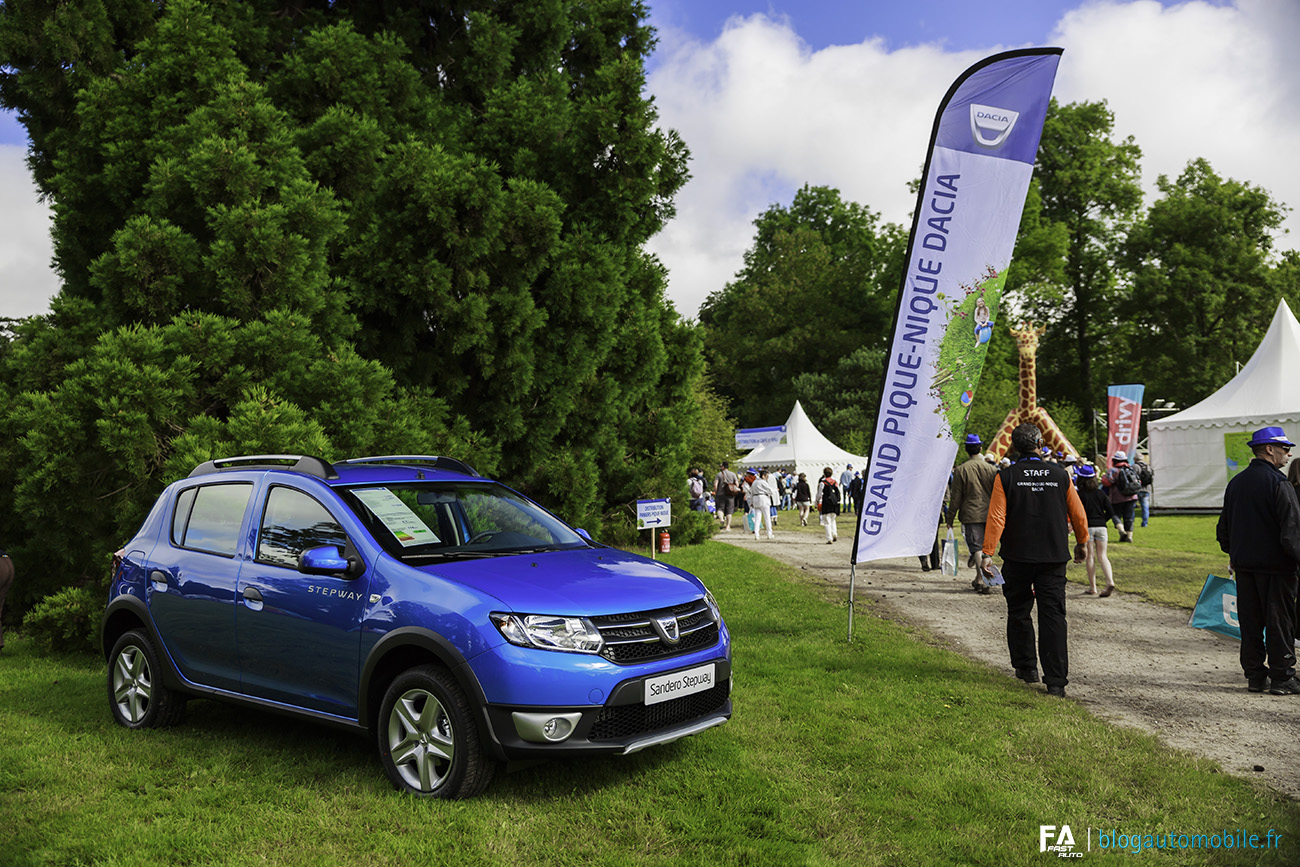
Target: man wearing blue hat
<point>1259,529</point>
<point>968,500</point>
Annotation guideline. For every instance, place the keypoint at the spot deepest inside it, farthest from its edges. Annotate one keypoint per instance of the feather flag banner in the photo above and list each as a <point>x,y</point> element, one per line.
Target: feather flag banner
<point>968,209</point>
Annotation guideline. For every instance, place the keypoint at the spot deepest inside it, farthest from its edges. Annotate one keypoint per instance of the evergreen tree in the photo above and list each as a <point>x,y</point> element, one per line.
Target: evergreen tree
<point>342,227</point>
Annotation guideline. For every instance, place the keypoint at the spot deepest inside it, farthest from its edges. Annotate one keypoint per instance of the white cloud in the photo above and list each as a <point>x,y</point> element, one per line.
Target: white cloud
<point>26,281</point>
<point>763,114</point>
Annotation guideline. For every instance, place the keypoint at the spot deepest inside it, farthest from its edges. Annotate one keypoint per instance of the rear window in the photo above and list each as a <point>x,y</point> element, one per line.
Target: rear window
<point>208,517</point>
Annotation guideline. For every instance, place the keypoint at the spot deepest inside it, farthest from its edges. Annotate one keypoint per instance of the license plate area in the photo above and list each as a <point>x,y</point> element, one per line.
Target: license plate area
<point>666,687</point>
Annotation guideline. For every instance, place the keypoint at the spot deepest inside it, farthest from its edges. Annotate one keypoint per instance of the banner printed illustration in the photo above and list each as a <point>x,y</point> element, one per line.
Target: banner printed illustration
<point>1123,410</point>
<point>968,210</point>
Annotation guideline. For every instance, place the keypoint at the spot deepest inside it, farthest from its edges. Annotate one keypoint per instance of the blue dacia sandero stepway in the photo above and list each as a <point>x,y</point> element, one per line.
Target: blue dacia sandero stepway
<point>452,619</point>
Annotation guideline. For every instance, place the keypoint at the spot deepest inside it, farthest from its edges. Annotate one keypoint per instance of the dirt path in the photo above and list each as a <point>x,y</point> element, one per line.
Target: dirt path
<point>1131,661</point>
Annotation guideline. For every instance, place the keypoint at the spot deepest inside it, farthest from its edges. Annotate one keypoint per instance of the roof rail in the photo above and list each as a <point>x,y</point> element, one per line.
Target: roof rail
<point>436,461</point>
<point>308,464</point>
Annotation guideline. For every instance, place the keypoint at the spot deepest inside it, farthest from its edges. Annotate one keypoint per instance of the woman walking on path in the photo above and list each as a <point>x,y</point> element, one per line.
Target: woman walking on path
<point>803,498</point>
<point>1097,506</point>
<point>762,494</point>
<point>828,504</point>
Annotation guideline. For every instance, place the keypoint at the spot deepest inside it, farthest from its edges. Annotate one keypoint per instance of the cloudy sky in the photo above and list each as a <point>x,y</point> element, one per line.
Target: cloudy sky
<point>772,94</point>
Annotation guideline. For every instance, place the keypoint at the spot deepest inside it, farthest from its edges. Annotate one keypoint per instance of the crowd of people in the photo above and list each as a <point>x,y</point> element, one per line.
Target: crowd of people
<point>1009,506</point>
<point>760,495</point>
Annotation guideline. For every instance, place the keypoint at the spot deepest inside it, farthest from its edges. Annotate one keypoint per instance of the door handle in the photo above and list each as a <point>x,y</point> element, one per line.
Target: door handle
<point>159,580</point>
<point>253,598</point>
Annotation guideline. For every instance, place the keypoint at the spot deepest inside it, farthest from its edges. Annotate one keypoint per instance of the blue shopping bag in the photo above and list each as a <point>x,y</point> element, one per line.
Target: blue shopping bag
<point>1216,607</point>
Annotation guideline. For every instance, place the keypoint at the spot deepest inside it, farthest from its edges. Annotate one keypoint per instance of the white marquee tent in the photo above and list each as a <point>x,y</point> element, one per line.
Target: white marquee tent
<point>803,450</point>
<point>1188,451</point>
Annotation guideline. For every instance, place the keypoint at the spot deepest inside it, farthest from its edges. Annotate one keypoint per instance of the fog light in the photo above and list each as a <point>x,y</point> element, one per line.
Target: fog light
<point>557,728</point>
<point>543,728</point>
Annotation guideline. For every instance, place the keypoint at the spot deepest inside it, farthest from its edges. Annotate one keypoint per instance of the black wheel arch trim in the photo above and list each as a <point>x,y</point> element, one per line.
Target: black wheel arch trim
<point>128,606</point>
<point>446,653</point>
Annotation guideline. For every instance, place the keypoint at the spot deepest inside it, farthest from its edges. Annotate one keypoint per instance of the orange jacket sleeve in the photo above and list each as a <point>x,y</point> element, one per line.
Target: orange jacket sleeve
<point>1078,517</point>
<point>997,518</point>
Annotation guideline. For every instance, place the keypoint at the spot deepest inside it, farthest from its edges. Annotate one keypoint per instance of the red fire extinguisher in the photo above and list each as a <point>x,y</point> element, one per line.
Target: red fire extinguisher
<point>664,543</point>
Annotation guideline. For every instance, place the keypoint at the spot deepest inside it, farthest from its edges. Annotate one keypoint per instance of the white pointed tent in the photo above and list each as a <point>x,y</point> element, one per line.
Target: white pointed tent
<point>1187,449</point>
<point>803,450</point>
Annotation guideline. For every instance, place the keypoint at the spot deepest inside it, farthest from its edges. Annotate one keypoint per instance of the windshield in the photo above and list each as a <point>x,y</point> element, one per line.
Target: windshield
<point>431,520</point>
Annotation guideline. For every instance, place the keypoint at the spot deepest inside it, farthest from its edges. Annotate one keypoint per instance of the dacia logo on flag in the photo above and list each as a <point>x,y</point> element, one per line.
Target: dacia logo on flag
<point>990,126</point>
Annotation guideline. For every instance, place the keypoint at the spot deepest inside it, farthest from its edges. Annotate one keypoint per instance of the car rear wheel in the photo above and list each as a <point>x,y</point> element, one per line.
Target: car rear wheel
<point>428,742</point>
<point>136,693</point>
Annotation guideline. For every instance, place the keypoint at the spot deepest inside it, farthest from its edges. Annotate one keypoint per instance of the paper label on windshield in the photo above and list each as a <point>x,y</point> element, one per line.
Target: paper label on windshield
<point>404,524</point>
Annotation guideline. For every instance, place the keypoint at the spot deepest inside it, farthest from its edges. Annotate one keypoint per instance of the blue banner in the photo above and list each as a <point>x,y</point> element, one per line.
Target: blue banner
<point>754,437</point>
<point>976,177</point>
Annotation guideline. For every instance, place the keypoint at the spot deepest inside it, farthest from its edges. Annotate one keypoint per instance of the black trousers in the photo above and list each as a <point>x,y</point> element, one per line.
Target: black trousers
<point>1043,583</point>
<point>1124,515</point>
<point>1266,610</point>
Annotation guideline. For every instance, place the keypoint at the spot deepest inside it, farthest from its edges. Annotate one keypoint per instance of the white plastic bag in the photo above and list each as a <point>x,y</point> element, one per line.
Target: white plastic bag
<point>949,556</point>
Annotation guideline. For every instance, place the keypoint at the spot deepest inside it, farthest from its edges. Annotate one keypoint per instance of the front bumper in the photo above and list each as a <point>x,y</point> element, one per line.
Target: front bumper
<point>623,724</point>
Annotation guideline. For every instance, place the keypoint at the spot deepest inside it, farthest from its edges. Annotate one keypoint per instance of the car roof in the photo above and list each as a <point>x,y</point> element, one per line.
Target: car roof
<point>387,468</point>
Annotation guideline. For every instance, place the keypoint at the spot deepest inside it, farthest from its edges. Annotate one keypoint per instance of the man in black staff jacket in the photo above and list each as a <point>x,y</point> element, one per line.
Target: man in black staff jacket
<point>1032,500</point>
<point>1259,530</point>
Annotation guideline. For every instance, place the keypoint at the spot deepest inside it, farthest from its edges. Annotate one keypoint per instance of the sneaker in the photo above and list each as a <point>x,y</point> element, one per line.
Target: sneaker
<point>1290,686</point>
<point>1257,684</point>
<point>1028,675</point>
<point>1058,691</point>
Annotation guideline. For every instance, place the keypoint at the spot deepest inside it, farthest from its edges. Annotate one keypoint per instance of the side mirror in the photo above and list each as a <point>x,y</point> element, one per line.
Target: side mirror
<point>584,534</point>
<point>326,560</point>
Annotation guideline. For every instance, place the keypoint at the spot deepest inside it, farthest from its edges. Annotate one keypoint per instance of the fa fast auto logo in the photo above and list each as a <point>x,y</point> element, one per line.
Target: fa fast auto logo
<point>1061,841</point>
<point>990,126</point>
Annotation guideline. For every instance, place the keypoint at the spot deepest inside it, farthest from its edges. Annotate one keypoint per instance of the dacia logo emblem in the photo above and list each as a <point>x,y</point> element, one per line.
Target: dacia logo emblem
<point>668,629</point>
<point>990,126</point>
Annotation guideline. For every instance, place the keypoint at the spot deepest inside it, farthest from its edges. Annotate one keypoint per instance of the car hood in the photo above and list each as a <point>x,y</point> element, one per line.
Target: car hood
<point>587,581</point>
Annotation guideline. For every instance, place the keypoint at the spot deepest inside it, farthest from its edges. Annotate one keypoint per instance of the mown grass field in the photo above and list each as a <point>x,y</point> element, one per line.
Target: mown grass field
<point>887,751</point>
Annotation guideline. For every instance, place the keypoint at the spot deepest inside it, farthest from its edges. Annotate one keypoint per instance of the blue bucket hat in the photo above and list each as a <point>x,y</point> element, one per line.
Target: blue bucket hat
<point>973,440</point>
<point>1270,436</point>
<point>1086,472</point>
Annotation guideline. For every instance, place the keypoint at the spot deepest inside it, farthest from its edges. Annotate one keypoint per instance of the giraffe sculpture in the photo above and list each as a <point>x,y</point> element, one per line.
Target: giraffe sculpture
<point>1028,410</point>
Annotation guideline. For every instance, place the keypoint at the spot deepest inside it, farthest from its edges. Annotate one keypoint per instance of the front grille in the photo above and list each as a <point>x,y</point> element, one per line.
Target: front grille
<point>631,638</point>
<point>630,720</point>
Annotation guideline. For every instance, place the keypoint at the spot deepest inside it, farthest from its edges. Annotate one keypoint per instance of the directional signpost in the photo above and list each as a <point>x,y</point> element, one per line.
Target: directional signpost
<point>653,515</point>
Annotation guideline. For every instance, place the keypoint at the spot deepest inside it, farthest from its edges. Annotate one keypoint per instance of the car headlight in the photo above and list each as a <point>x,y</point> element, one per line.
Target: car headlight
<point>713,606</point>
<point>550,632</point>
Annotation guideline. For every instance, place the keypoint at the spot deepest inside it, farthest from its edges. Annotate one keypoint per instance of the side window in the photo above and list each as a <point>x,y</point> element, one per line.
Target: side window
<point>214,517</point>
<point>184,503</point>
<point>292,523</point>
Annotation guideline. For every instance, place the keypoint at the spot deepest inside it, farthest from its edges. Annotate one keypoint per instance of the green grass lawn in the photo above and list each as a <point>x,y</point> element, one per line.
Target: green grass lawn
<point>1167,561</point>
<point>887,751</point>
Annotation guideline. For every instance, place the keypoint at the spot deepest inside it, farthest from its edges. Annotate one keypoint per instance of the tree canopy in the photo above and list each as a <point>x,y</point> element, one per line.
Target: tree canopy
<point>808,315</point>
<point>342,227</point>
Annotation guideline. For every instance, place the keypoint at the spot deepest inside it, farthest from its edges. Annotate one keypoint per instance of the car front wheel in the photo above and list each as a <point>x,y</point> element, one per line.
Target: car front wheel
<point>135,690</point>
<point>428,742</point>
